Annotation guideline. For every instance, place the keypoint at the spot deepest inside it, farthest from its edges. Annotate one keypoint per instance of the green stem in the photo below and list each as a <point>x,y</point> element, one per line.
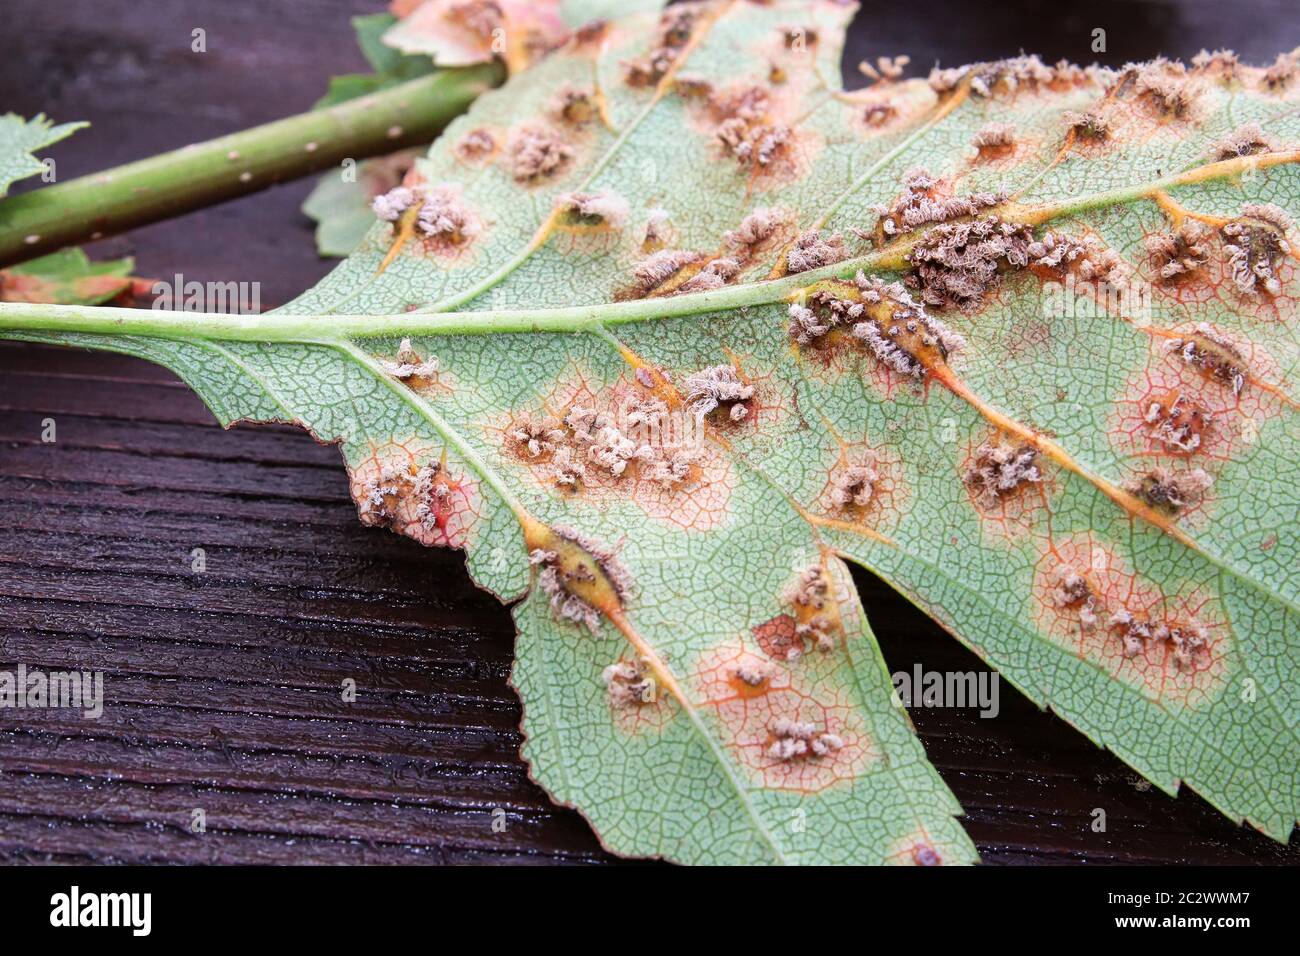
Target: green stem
<point>330,329</point>
<point>199,175</point>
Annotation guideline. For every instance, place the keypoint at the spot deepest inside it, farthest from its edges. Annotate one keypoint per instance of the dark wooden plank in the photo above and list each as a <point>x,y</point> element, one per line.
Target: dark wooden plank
<point>225,685</point>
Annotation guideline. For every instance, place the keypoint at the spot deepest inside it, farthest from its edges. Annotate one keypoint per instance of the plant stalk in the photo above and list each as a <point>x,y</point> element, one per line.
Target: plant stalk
<point>170,184</point>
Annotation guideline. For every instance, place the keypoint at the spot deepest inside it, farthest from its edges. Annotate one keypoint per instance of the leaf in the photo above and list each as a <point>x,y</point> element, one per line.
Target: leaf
<point>552,264</point>
<point>340,203</point>
<point>520,32</point>
<point>20,138</point>
<point>390,67</point>
<point>456,33</point>
<point>67,277</point>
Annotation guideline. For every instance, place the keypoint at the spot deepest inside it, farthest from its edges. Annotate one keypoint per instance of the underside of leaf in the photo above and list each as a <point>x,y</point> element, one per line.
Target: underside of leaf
<point>670,327</point>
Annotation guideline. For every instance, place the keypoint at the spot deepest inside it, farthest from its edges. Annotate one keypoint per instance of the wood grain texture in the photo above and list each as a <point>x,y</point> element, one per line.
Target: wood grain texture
<point>223,687</point>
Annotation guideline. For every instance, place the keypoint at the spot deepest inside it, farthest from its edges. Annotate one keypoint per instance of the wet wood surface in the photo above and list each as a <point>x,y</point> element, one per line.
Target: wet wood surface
<point>223,687</point>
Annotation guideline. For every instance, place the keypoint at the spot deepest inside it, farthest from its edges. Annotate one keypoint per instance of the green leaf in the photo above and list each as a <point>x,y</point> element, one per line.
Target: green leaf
<point>66,277</point>
<point>20,138</point>
<point>340,203</point>
<point>390,67</point>
<point>1095,494</point>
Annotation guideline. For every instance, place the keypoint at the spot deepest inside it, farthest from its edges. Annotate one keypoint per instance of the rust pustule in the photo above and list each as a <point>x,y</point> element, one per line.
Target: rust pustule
<point>583,579</point>
<point>1172,492</point>
<point>881,317</point>
<point>1213,356</point>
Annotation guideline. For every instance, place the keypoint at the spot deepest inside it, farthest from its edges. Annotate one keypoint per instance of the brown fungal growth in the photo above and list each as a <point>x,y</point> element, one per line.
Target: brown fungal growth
<point>776,636</point>
<point>886,69</point>
<point>582,579</point>
<point>1213,356</point>
<point>743,124</point>
<point>816,613</point>
<point>863,485</point>
<point>926,856</point>
<point>480,18</point>
<point>994,141</point>
<point>625,443</point>
<point>879,317</point>
<point>535,152</point>
<point>1180,253</point>
<point>536,438</point>
<point>1248,139</point>
<point>1163,86</point>
<point>671,38</point>
<point>959,264</point>
<point>925,201</point>
<point>759,230</point>
<point>719,391</point>
<point>915,849</point>
<point>690,86</point>
<point>1087,126</point>
<point>662,273</point>
<point>1058,254</point>
<point>1163,644</point>
<point>415,496</point>
<point>799,740</point>
<point>1172,492</point>
<point>476,30</point>
<point>409,367</point>
<point>812,251</point>
<point>1185,642</point>
<point>714,274</point>
<point>1176,425</point>
<point>590,33</point>
<point>853,487</point>
<point>1221,65</point>
<point>629,684</point>
<point>1280,75</point>
<point>658,231</point>
<point>1001,469</point>
<point>750,676</point>
<point>875,115</point>
<point>1255,245</point>
<point>475,146</point>
<point>572,107</point>
<point>600,211</point>
<point>442,217</point>
<point>1199,394</point>
<point>1010,76</point>
<point>1071,591</point>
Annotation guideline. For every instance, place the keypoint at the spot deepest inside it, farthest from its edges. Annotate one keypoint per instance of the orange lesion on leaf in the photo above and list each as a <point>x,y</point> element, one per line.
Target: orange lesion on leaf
<point>916,849</point>
<point>1198,398</point>
<point>404,233</point>
<point>1008,484</point>
<point>417,494</point>
<point>1239,367</point>
<point>864,487</point>
<point>787,729</point>
<point>635,702</point>
<point>626,442</point>
<point>1171,646</point>
<point>436,219</point>
<point>918,348</point>
<point>479,145</point>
